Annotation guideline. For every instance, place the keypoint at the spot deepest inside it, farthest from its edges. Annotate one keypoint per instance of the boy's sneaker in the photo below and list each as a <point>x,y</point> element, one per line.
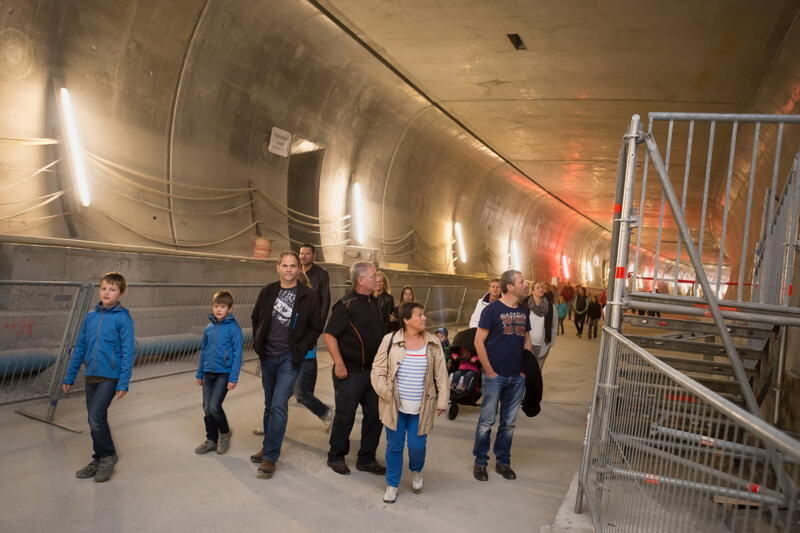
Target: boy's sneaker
<point>505,471</point>
<point>258,432</point>
<point>224,442</point>
<point>327,420</point>
<point>416,481</point>
<point>88,471</point>
<point>479,472</point>
<point>207,446</point>
<point>105,468</point>
<point>390,496</point>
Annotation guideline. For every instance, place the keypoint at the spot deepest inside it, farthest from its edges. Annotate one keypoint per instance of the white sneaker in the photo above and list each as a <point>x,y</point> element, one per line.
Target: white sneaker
<point>258,431</point>
<point>390,496</point>
<point>416,481</point>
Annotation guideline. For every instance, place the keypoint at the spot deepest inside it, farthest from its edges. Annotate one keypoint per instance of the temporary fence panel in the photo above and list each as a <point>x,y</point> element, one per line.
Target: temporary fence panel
<point>664,453</point>
<point>41,320</point>
<point>37,321</point>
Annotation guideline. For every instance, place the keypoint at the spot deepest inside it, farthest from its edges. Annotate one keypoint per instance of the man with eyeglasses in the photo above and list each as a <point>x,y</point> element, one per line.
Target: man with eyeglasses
<point>353,335</point>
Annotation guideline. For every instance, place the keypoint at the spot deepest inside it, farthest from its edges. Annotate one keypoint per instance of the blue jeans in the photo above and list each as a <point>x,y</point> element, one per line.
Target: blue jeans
<point>215,388</point>
<point>304,388</point>
<point>277,377</point>
<point>98,398</point>
<point>407,425</point>
<point>505,393</point>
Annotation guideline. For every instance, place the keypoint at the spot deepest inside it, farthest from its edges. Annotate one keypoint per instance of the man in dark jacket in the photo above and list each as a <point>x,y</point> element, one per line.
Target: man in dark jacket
<point>307,379</point>
<point>286,324</point>
<point>353,335</point>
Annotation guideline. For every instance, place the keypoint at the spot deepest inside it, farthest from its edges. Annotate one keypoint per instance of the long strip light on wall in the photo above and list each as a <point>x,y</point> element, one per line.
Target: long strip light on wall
<point>358,206</point>
<point>462,252</point>
<point>589,272</point>
<point>74,148</point>
<point>515,258</point>
<point>565,266</point>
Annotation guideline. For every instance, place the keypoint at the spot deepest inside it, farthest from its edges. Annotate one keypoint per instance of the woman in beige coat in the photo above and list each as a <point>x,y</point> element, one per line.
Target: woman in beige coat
<point>410,378</point>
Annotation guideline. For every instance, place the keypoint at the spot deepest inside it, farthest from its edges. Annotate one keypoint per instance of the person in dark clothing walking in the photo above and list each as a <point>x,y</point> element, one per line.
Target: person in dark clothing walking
<point>580,306</point>
<point>594,313</point>
<point>307,380</point>
<point>353,335</point>
<point>383,294</point>
<point>569,295</point>
<point>286,324</point>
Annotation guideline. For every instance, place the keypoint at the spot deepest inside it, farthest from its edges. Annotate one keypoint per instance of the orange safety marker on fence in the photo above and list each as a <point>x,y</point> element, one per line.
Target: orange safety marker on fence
<point>617,209</point>
<point>681,398</point>
<point>652,479</point>
<point>620,273</point>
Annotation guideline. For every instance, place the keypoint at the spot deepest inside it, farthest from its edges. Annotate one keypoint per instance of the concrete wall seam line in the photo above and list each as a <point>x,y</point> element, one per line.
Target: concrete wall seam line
<point>389,169</point>
<point>173,113</point>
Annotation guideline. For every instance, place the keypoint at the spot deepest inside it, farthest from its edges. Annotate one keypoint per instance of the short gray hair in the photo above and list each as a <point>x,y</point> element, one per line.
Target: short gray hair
<point>509,277</point>
<point>358,270</point>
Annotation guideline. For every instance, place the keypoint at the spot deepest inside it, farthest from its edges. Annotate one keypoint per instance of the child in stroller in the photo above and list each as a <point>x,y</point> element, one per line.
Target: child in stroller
<point>465,372</point>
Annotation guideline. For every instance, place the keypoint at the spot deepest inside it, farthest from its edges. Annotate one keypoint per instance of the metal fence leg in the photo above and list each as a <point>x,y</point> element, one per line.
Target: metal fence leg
<point>79,305</point>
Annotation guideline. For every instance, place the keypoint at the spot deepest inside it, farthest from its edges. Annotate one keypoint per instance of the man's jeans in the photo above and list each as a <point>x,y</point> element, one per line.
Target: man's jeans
<point>304,388</point>
<point>407,425</point>
<point>98,398</point>
<point>277,377</point>
<point>215,388</point>
<point>507,393</point>
<point>349,393</point>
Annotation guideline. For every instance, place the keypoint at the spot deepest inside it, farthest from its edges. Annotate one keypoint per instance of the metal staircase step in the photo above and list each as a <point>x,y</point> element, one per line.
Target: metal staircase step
<point>719,385</point>
<point>688,346</point>
<point>757,331</point>
<point>721,368</point>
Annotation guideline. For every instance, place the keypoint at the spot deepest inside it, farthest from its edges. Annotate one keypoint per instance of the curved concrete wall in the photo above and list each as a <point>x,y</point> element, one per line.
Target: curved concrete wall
<point>184,95</point>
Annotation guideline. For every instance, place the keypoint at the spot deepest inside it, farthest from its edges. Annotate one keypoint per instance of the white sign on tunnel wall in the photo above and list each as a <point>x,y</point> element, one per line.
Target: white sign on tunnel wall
<point>280,142</point>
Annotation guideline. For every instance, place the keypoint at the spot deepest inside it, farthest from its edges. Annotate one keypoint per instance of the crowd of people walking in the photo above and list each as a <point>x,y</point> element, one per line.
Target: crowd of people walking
<point>384,361</point>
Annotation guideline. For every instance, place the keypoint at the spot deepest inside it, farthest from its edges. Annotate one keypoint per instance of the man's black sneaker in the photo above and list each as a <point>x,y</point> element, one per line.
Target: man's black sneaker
<point>505,471</point>
<point>340,467</point>
<point>373,468</point>
<point>480,473</point>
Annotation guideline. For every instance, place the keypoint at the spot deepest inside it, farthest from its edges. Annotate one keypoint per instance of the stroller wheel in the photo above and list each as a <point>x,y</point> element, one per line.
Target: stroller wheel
<point>452,413</point>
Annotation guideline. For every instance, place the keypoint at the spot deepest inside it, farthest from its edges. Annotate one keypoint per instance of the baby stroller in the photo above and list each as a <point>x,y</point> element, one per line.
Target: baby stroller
<point>462,349</point>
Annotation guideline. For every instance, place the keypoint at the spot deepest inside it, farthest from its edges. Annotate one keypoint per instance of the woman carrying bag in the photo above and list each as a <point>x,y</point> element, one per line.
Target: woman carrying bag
<point>410,379</point>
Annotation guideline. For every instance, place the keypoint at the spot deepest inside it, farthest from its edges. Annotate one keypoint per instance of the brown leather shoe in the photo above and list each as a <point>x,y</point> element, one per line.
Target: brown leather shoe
<point>373,468</point>
<point>340,467</point>
<point>266,469</point>
<point>257,457</point>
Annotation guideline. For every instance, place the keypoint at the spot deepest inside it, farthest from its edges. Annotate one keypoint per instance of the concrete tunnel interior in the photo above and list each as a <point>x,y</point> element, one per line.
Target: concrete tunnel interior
<point>418,135</point>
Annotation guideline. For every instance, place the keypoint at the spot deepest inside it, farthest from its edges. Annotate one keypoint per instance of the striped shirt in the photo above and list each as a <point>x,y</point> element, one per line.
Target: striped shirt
<point>410,380</point>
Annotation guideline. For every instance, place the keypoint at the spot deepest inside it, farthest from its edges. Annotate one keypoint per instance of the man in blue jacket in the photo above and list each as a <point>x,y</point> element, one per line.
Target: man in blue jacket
<point>106,346</point>
<point>286,324</point>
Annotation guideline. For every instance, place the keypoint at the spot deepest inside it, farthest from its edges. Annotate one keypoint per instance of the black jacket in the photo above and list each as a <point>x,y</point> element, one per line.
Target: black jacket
<point>320,282</point>
<point>305,325</point>
<point>531,404</point>
<point>386,303</point>
<point>358,326</point>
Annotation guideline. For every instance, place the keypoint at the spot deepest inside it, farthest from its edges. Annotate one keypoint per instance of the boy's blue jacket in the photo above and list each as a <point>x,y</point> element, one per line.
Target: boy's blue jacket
<point>106,344</point>
<point>221,350</point>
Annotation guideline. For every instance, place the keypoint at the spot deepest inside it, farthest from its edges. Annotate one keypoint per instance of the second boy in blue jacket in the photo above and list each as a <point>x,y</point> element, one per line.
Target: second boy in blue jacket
<point>218,371</point>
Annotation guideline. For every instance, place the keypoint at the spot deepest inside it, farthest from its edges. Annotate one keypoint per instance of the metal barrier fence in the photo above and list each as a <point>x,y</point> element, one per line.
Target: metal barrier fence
<point>664,453</point>
<point>40,321</point>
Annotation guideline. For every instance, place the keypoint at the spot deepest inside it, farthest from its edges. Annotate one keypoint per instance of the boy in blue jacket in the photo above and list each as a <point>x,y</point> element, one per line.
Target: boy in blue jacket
<point>218,371</point>
<point>106,346</point>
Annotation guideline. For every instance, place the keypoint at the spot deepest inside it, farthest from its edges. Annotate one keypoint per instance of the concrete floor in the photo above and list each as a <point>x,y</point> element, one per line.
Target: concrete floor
<point>161,485</point>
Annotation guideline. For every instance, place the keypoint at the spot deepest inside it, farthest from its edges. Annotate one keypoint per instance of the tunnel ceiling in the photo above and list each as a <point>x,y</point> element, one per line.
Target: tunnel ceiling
<point>558,108</point>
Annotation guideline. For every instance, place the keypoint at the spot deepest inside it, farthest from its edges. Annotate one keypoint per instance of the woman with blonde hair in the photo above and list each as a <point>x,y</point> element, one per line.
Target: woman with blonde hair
<point>410,378</point>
